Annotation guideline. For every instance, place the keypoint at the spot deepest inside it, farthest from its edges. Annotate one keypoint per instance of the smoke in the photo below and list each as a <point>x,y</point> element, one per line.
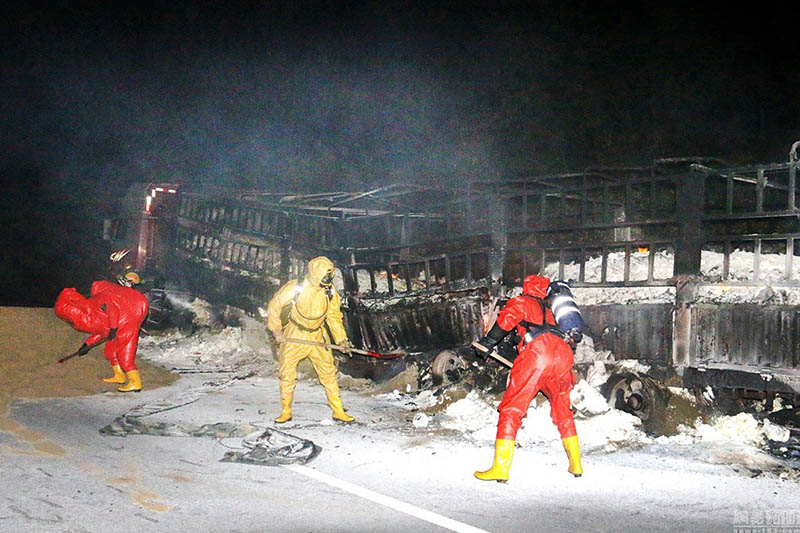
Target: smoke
<point>301,114</point>
<point>282,97</point>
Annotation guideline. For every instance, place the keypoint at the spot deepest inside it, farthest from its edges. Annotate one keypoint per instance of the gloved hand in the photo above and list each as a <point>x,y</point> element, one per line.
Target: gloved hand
<point>112,334</point>
<point>573,337</point>
<point>280,338</point>
<point>84,349</point>
<point>346,346</point>
<point>486,344</point>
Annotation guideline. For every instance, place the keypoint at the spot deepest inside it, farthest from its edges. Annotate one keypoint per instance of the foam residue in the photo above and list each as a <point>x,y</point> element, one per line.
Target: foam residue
<point>604,428</point>
<point>412,402</point>
<point>216,349</point>
<point>587,400</point>
<point>470,414</point>
<point>742,429</point>
<point>421,420</point>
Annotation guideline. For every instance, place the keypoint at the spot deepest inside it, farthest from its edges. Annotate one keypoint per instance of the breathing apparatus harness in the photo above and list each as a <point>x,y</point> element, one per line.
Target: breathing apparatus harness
<point>286,310</point>
<point>567,316</point>
<point>534,330</point>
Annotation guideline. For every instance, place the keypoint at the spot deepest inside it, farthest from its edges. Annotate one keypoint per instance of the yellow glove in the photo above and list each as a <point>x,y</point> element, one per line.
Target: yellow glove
<point>279,337</point>
<point>346,346</point>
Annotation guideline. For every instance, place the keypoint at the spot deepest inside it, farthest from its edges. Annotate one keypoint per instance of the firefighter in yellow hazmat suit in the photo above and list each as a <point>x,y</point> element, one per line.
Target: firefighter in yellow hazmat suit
<point>312,304</point>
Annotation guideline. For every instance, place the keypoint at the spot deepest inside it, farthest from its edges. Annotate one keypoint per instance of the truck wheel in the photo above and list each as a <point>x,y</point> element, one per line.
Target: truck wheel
<point>634,394</point>
<point>447,361</point>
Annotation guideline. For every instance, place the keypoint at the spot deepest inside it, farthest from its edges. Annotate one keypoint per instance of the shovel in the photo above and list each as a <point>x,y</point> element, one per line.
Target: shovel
<point>481,348</point>
<point>377,355</point>
<point>75,353</point>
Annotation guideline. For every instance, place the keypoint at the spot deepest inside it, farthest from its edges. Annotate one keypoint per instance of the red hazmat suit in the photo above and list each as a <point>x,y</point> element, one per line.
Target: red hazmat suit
<point>545,364</point>
<point>110,306</point>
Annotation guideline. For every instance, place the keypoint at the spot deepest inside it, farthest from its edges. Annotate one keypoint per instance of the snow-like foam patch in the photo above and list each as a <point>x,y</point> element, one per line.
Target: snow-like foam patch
<point>775,432</point>
<point>600,428</point>
<point>412,402</point>
<point>223,349</point>
<point>633,365</point>
<point>470,414</point>
<point>596,375</point>
<point>611,430</point>
<point>587,400</point>
<point>586,352</point>
<point>421,420</point>
<point>741,429</point>
<point>605,428</point>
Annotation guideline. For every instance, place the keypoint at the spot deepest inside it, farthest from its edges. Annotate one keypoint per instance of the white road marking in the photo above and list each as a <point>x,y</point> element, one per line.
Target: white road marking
<point>388,501</point>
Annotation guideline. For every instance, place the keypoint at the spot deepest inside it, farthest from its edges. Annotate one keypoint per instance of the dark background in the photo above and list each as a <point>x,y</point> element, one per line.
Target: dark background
<point>338,96</point>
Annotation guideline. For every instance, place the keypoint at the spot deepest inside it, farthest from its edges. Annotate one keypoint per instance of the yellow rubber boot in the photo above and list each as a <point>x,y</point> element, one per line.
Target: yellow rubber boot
<point>503,454</point>
<point>118,377</point>
<point>286,411</point>
<point>342,416</point>
<point>574,455</point>
<point>134,382</point>
<point>338,411</point>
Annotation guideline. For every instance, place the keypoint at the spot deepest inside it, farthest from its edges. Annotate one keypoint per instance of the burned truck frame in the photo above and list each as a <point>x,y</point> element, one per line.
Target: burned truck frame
<point>423,266</point>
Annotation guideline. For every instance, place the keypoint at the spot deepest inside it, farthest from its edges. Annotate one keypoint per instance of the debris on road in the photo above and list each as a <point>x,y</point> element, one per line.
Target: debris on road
<point>274,448</point>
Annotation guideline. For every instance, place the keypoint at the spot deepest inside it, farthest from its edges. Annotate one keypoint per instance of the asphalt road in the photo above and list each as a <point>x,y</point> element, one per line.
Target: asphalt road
<point>60,474</point>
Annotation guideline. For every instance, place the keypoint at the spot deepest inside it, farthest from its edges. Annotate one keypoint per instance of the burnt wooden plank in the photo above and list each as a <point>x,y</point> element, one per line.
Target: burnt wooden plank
<point>421,327</point>
<point>746,334</point>
<point>640,331</point>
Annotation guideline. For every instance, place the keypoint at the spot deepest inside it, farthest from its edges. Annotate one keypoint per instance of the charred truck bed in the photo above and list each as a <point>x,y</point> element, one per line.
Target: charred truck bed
<point>421,268</point>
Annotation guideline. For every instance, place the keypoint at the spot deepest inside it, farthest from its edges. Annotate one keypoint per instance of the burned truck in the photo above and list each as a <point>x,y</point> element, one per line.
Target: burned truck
<point>686,264</point>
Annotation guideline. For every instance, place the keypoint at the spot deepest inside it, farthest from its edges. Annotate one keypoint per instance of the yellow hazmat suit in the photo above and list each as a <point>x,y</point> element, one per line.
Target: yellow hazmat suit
<point>314,304</point>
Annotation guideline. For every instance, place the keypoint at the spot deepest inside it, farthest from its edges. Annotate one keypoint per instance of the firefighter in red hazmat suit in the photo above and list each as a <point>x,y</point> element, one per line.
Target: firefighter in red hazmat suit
<point>544,364</point>
<point>308,306</point>
<point>114,313</point>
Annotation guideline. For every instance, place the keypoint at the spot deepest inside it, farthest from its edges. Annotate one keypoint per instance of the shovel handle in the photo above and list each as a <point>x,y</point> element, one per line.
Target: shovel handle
<point>77,352</point>
<point>68,357</point>
<point>343,349</point>
<point>481,348</point>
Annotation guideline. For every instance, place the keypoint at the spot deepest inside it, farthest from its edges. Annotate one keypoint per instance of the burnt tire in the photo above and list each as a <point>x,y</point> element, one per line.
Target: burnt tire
<point>636,394</point>
<point>446,362</point>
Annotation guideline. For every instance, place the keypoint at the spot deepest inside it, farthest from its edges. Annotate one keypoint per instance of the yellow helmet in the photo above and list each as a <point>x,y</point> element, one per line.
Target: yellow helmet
<point>129,279</point>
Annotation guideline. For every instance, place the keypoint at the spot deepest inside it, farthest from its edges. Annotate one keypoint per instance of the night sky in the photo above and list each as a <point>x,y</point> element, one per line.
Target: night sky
<point>339,96</point>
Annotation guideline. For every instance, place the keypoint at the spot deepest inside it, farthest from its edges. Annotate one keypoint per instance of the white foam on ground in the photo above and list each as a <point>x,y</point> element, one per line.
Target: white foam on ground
<point>221,349</point>
<point>587,400</point>
<point>742,429</point>
<point>600,428</point>
<point>604,428</point>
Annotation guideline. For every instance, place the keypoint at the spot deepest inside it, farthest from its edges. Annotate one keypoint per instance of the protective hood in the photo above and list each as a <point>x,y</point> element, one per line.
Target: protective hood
<point>78,311</point>
<point>70,305</point>
<point>318,268</point>
<point>535,286</point>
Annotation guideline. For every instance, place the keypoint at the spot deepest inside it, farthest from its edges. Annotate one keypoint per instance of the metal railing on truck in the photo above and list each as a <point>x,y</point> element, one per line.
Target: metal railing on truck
<point>259,220</point>
<point>679,220</point>
<point>752,212</point>
<point>445,272</point>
